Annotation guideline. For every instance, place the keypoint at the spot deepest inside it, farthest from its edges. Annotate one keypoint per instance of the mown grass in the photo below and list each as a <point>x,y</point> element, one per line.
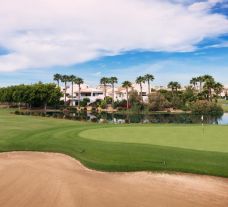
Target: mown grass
<point>27,133</point>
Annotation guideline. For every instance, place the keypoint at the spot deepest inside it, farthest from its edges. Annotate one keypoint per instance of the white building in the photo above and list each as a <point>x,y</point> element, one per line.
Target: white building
<point>97,93</point>
<point>225,91</point>
<point>92,94</point>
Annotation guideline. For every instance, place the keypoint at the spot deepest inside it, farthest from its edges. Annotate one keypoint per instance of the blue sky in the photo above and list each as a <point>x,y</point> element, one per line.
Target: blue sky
<point>193,43</point>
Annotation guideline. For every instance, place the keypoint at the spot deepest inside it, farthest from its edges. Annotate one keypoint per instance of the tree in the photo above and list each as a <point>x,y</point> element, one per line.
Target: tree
<point>200,79</point>
<point>46,94</point>
<point>72,79</point>
<point>140,80</point>
<point>18,95</point>
<point>204,107</point>
<point>157,102</point>
<point>208,86</point>
<point>57,77</point>
<point>113,81</point>
<point>65,79</point>
<point>79,82</point>
<point>104,81</point>
<point>127,85</point>
<point>148,78</point>
<point>174,86</point>
<point>194,82</point>
<point>38,94</point>
<point>207,78</point>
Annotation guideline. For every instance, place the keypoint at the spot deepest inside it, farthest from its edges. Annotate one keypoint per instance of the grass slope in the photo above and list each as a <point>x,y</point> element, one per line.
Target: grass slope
<point>21,133</point>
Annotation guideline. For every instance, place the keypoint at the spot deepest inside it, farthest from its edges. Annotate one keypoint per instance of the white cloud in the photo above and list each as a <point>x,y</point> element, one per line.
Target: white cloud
<point>46,33</point>
<point>219,45</point>
<point>204,5</point>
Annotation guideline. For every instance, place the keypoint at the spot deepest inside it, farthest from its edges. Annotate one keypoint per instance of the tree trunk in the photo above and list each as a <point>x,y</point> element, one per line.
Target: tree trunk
<point>65,94</point>
<point>141,92</point>
<point>45,107</point>
<point>210,95</point>
<point>105,92</point>
<point>79,95</point>
<point>72,94</point>
<point>127,98</point>
<point>148,87</point>
<point>112,95</point>
<point>200,86</point>
<point>58,82</point>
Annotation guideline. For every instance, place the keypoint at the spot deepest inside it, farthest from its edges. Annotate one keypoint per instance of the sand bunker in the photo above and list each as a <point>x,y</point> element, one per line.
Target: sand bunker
<point>29,179</point>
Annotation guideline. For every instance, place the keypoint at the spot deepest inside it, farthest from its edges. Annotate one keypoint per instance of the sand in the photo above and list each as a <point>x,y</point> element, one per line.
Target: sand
<point>33,179</point>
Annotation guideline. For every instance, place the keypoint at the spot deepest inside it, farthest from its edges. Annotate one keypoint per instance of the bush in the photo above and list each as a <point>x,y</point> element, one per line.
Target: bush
<point>206,108</point>
<point>157,102</point>
<point>108,100</point>
<point>120,104</point>
<point>84,102</point>
<point>17,112</point>
<point>103,104</point>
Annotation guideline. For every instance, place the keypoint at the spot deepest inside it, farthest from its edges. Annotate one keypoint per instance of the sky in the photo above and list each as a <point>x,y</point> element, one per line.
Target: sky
<point>174,40</point>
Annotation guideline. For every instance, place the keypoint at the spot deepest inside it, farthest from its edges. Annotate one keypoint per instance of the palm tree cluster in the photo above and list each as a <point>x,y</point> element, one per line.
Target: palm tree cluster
<point>142,79</point>
<point>105,81</point>
<point>69,79</point>
<point>207,85</point>
<point>139,80</point>
<point>174,86</point>
<point>126,84</point>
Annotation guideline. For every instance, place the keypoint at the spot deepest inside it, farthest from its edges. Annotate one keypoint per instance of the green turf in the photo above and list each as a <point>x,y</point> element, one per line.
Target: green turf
<point>208,138</point>
<point>120,153</point>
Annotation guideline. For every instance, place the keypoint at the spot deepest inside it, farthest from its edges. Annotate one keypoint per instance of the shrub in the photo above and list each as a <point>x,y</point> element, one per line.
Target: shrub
<point>84,102</point>
<point>108,100</point>
<point>17,112</point>
<point>103,104</point>
<point>206,107</point>
<point>157,102</point>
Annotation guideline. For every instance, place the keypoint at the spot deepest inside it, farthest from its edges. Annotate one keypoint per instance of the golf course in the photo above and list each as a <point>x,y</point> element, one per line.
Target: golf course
<point>121,148</point>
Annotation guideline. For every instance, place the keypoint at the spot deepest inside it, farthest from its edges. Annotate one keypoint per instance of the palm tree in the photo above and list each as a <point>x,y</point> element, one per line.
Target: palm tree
<point>207,77</point>
<point>208,86</point>
<point>112,81</point>
<point>65,79</point>
<point>218,87</point>
<point>148,78</point>
<point>200,79</point>
<point>194,82</point>
<point>79,82</point>
<point>104,81</point>
<point>127,85</point>
<point>140,80</point>
<point>72,79</point>
<point>57,77</point>
<point>174,86</point>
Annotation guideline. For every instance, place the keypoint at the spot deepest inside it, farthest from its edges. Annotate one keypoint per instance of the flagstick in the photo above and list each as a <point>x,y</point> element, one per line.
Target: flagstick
<point>202,118</point>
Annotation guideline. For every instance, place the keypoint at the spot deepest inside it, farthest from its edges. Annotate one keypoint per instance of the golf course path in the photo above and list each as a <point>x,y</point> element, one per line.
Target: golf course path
<point>33,179</point>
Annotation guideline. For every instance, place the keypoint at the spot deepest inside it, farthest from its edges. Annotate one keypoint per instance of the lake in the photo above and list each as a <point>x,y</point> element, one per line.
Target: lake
<point>142,118</point>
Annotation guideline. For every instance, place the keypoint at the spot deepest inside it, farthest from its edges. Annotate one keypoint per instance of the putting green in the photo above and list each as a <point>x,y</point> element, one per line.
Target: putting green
<point>212,138</point>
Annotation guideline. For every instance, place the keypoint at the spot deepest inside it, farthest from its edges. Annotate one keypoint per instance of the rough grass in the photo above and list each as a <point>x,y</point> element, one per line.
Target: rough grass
<point>26,133</point>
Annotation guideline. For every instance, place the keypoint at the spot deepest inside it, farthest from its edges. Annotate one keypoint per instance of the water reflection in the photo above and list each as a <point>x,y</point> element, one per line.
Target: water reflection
<point>139,118</point>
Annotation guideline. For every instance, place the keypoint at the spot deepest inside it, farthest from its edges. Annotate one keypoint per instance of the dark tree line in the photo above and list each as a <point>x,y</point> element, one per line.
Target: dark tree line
<point>34,95</point>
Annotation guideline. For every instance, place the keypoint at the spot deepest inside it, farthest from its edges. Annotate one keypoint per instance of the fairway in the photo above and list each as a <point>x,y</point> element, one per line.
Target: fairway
<point>122,148</point>
<point>208,138</point>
